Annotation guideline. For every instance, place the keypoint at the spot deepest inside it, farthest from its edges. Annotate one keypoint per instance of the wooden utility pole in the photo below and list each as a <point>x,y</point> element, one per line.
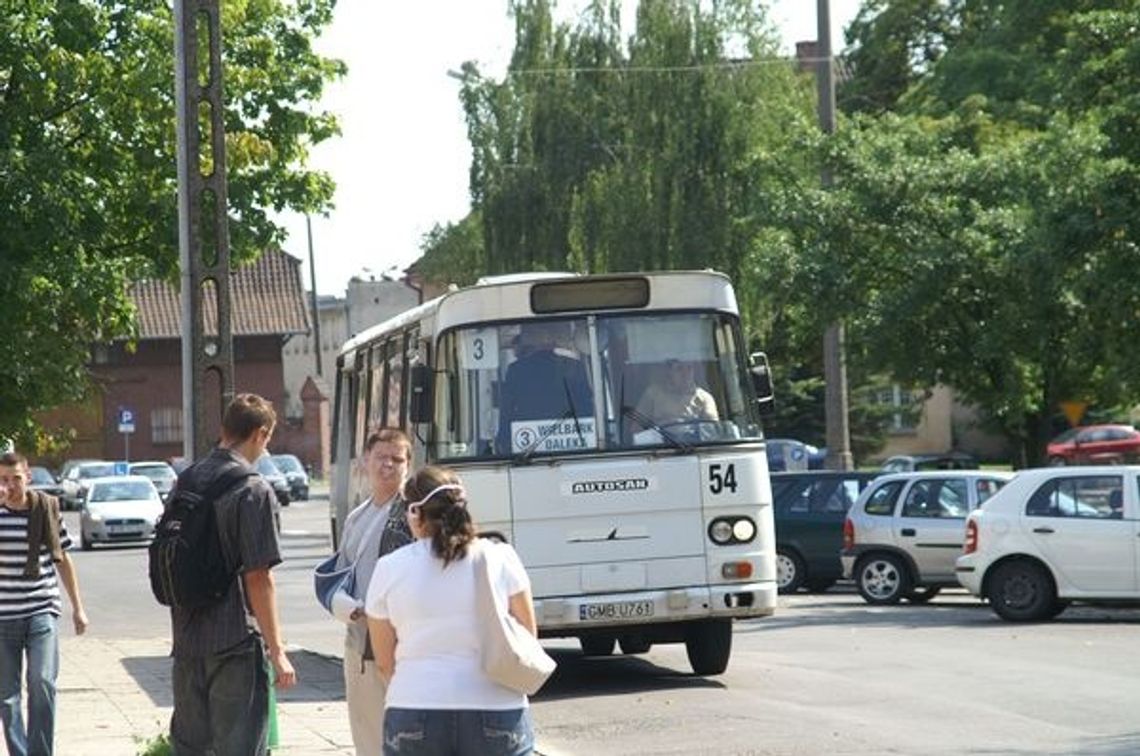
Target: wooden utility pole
<point>834,353</point>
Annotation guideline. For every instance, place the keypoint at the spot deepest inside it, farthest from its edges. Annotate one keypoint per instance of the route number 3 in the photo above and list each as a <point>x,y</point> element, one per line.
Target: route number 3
<point>719,481</point>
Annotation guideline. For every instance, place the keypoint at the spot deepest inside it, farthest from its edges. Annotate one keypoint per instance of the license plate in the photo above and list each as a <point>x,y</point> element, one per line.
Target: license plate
<point>124,529</point>
<point>616,610</point>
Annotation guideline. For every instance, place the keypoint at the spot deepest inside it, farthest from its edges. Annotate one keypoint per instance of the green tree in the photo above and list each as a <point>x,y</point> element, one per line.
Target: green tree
<point>87,166</point>
<point>998,267</point>
<point>891,44</point>
<point>454,253</point>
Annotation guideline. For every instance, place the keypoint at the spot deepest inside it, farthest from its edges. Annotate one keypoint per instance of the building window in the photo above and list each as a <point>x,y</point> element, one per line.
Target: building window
<point>906,404</point>
<point>166,425</point>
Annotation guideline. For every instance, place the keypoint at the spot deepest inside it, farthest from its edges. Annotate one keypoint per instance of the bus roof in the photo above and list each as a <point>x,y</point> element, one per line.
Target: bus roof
<point>508,297</point>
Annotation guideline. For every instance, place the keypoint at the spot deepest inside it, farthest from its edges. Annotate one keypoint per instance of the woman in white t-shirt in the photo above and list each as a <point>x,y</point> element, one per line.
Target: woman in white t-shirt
<point>423,619</point>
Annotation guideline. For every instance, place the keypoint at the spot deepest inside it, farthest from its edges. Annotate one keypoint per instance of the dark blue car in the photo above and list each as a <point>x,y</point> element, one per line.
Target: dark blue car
<point>809,509</point>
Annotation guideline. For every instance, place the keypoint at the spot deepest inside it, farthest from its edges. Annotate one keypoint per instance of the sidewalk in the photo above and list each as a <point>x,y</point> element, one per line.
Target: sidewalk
<point>114,695</point>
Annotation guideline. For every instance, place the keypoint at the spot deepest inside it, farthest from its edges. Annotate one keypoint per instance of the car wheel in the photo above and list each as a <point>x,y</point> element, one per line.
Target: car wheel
<point>922,594</point>
<point>85,542</point>
<point>1023,591</point>
<point>819,585</point>
<point>1057,461</point>
<point>597,645</point>
<point>634,644</point>
<point>708,645</point>
<point>882,579</point>
<point>790,571</point>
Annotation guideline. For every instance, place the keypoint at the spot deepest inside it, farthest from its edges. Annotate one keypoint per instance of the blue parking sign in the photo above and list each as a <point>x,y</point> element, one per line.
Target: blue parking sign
<point>122,468</point>
<point>126,420</point>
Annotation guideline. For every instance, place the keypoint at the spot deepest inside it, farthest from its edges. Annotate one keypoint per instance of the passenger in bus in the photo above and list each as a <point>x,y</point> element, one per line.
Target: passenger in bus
<point>676,398</point>
<point>424,627</point>
<point>548,380</point>
<point>377,526</point>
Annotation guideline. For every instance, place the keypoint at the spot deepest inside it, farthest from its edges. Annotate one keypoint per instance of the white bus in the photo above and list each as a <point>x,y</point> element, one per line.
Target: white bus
<point>540,390</point>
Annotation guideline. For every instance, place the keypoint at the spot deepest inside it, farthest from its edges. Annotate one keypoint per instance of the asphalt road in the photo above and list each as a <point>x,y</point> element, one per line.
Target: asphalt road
<point>827,674</point>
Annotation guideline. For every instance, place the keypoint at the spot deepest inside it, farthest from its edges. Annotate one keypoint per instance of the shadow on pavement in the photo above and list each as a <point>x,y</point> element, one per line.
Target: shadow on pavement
<point>1124,744</point>
<point>579,676</point>
<point>320,678</point>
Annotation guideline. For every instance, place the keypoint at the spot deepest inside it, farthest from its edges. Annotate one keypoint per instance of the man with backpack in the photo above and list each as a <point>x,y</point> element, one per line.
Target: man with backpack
<point>221,514</point>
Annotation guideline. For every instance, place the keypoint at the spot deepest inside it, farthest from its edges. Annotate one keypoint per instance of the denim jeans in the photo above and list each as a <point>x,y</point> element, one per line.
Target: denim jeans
<point>221,702</point>
<point>464,732</point>
<point>37,637</point>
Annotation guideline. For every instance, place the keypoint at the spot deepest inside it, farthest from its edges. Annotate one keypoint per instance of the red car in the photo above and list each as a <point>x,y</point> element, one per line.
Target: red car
<point>1095,445</point>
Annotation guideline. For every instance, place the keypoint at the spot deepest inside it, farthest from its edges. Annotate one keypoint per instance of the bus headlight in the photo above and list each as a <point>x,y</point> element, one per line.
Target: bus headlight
<point>743,530</point>
<point>720,531</point>
<point>729,530</point>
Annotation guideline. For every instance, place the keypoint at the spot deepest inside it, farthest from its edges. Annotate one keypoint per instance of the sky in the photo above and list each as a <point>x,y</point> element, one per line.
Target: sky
<point>401,162</point>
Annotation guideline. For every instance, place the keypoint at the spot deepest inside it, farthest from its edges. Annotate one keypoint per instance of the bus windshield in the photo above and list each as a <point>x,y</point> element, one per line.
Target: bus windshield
<point>602,382</point>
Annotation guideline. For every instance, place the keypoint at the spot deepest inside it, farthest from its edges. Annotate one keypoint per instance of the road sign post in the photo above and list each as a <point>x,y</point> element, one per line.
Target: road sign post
<point>126,427</point>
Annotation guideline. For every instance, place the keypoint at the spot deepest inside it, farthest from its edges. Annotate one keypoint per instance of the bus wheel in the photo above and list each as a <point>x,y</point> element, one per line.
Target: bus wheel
<point>708,645</point>
<point>634,644</point>
<point>597,645</point>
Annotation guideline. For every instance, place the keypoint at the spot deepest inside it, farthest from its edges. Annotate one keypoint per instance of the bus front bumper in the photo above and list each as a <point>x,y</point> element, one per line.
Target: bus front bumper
<point>567,615</point>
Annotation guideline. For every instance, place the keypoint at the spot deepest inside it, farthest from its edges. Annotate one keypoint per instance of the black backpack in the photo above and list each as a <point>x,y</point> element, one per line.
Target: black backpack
<point>187,567</point>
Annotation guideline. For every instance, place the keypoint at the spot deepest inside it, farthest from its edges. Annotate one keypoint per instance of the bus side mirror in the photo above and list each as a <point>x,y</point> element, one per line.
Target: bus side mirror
<point>762,382</point>
<point>419,404</point>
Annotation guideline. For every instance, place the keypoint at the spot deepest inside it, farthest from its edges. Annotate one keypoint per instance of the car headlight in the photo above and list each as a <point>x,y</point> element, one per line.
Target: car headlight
<point>93,517</point>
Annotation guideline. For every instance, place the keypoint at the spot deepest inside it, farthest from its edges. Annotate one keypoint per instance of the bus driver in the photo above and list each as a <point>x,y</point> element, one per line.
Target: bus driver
<point>677,399</point>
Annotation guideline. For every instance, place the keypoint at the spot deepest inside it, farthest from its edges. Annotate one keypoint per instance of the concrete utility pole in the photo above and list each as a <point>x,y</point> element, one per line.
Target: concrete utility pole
<point>834,357</point>
<point>203,232</point>
<point>316,311</point>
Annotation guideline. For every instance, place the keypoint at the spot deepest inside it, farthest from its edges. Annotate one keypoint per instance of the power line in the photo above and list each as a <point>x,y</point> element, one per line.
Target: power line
<point>719,65</point>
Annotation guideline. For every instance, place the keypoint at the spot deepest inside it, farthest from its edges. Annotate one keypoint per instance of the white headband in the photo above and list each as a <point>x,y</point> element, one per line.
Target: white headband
<point>437,489</point>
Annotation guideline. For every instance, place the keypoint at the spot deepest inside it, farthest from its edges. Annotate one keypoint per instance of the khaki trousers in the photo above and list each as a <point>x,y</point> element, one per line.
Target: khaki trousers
<point>364,692</point>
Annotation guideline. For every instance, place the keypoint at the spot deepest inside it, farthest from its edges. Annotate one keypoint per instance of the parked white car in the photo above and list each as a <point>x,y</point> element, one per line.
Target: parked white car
<point>118,509</point>
<point>1055,535</point>
<point>902,535</point>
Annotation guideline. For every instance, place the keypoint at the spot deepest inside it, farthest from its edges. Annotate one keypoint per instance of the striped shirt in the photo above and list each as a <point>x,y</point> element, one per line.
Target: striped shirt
<point>22,596</point>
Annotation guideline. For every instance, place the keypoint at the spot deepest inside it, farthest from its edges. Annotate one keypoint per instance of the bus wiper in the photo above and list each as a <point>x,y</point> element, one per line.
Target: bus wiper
<point>647,422</point>
<point>524,456</point>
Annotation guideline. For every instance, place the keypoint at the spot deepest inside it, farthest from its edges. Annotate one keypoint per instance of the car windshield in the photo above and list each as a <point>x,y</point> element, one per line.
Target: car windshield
<point>1066,437</point>
<point>154,472</point>
<point>41,477</point>
<point>127,490</point>
<point>266,467</point>
<point>650,380</point>
<point>97,471</point>
<point>288,463</point>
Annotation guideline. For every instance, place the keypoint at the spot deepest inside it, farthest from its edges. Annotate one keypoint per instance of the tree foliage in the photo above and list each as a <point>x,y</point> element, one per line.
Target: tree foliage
<point>87,166</point>
<point>989,222</point>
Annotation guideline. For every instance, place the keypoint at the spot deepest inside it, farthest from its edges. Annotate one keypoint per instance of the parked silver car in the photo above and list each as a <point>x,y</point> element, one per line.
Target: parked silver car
<point>295,473</point>
<point>160,473</point>
<point>118,509</point>
<point>77,479</point>
<point>268,470</point>
<point>902,535</point>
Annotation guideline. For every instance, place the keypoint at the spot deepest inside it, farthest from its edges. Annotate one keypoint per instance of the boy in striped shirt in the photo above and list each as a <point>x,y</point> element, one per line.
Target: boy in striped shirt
<point>33,563</point>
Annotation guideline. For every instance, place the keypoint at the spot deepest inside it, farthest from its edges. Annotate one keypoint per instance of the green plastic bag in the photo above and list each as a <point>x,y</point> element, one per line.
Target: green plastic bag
<point>272,739</point>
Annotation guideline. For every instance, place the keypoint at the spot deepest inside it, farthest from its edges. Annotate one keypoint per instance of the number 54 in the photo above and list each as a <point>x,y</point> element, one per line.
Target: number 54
<point>719,481</point>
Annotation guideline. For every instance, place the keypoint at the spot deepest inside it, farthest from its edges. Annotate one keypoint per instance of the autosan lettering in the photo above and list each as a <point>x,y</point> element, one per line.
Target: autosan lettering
<point>609,486</point>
